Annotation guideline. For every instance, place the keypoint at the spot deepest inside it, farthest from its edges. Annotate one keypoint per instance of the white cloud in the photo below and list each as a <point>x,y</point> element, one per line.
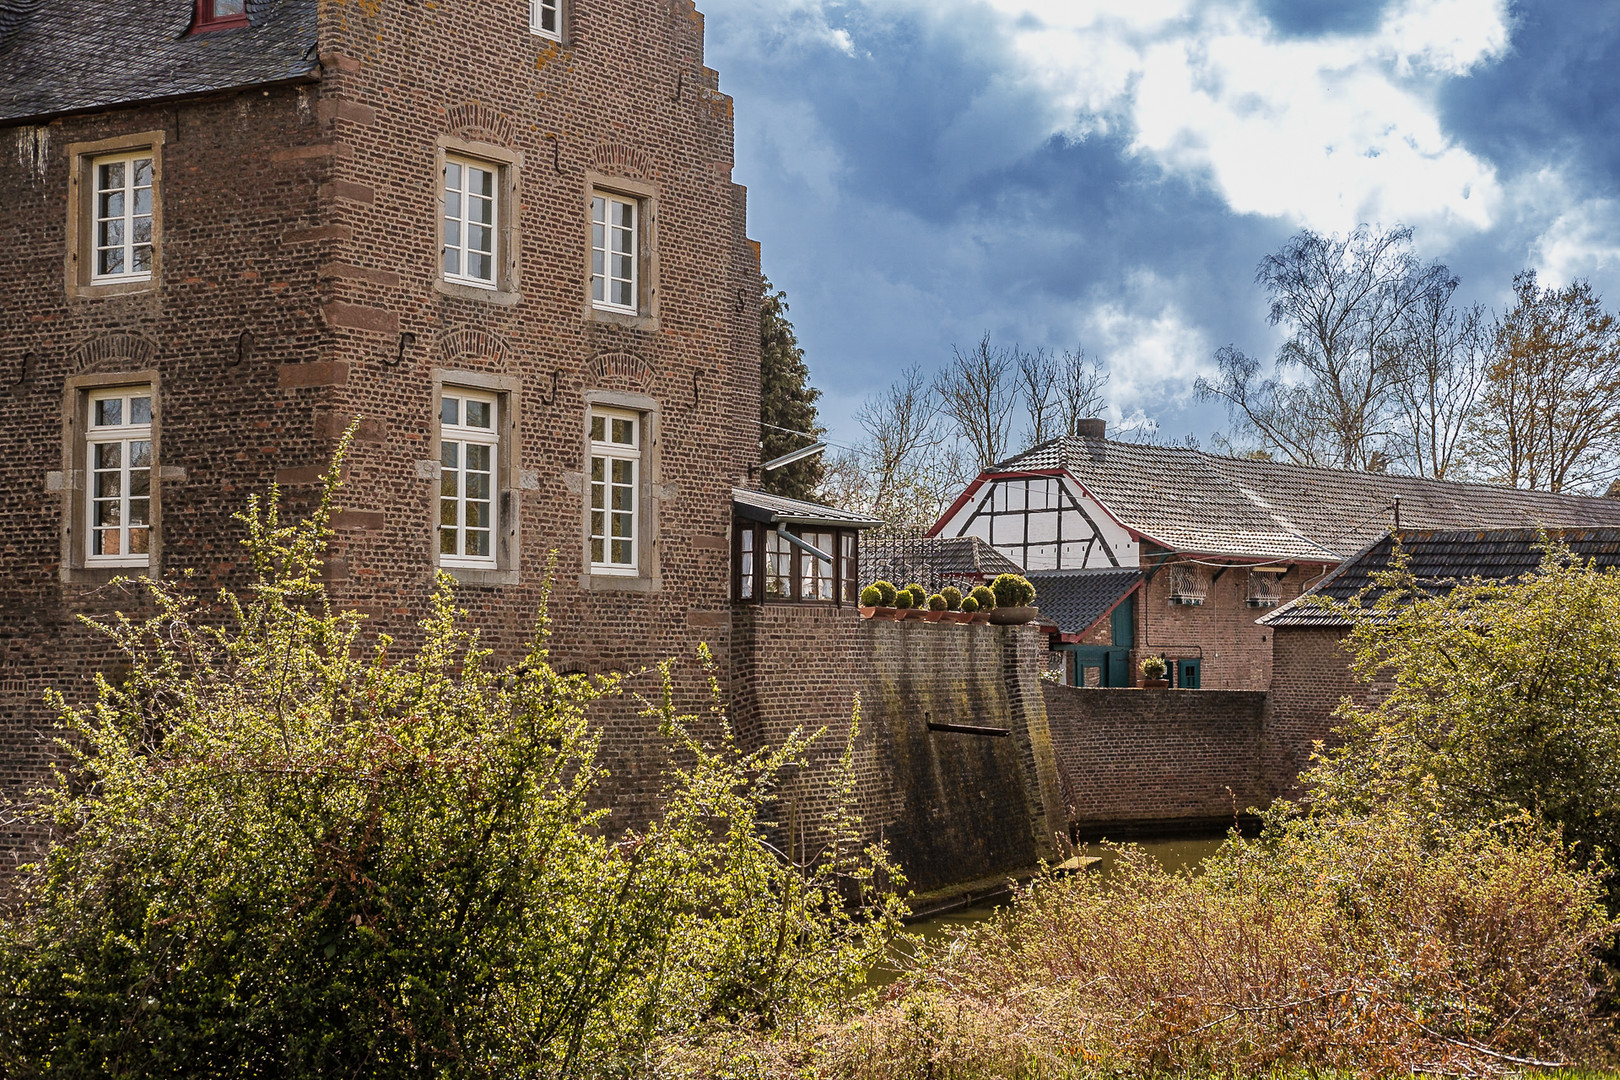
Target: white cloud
<point>1581,242</point>
<point>1153,351</point>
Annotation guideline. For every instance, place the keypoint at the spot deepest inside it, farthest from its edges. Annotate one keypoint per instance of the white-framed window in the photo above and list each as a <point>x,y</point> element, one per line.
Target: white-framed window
<point>816,575</point>
<point>470,222</point>
<point>545,18</point>
<point>615,273</point>
<point>469,454</point>
<point>118,471</point>
<point>121,218</point>
<point>615,510</point>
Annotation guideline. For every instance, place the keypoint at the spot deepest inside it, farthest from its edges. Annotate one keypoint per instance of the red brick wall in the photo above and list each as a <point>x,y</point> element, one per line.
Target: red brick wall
<point>1151,759</point>
<point>1311,679</point>
<point>953,807</point>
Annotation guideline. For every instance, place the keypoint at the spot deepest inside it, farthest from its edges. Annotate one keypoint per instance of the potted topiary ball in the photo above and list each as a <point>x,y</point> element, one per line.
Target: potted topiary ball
<point>970,608</point>
<point>1015,600</point>
<point>1154,670</point>
<point>936,608</point>
<point>919,602</point>
<point>879,600</point>
<point>902,600</point>
<point>986,601</point>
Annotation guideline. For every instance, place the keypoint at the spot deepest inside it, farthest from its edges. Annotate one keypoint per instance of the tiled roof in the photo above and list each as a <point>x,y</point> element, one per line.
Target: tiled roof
<point>1203,503</point>
<point>58,56</point>
<point>775,510</point>
<point>1442,560</point>
<point>1076,599</point>
<point>934,558</point>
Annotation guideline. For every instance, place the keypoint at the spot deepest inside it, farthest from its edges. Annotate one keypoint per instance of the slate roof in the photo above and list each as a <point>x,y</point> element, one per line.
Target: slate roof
<point>63,56</point>
<point>775,510</point>
<point>1076,599</point>
<point>935,557</point>
<point>1202,503</point>
<point>1443,560</point>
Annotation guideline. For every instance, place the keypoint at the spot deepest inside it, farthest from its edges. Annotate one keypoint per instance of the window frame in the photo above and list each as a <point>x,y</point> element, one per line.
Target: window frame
<point>754,537</point>
<point>207,18</point>
<point>648,575</point>
<point>127,249</point>
<point>464,197</point>
<point>75,481</point>
<point>502,567</point>
<point>123,435</point>
<point>536,11</point>
<point>80,258</point>
<point>611,228</point>
<point>608,450</point>
<point>464,435</point>
<point>643,314</point>
<point>507,238</point>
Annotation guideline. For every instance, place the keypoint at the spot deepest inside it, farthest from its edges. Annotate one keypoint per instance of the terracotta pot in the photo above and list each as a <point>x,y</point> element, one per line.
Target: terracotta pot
<point>980,617</point>
<point>1155,684</point>
<point>1013,616</point>
<point>889,614</point>
<point>960,616</point>
<point>867,612</point>
<point>935,616</point>
<point>914,615</point>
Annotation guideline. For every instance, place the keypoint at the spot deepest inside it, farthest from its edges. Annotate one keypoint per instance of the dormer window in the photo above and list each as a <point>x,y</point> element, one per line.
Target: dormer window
<point>219,15</point>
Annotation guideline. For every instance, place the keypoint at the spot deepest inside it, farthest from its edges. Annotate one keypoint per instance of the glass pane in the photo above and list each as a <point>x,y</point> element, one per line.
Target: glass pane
<point>477,542</point>
<point>624,498</point>
<point>139,541</point>
<point>598,429</point>
<point>140,454</point>
<point>447,516</point>
<point>621,552</point>
<point>598,214</point>
<point>478,456</point>
<point>452,232</point>
<point>140,410</point>
<point>143,202</point>
<point>112,232</point>
<point>452,183</point>
<point>480,238</point>
<point>477,486</point>
<point>452,206</point>
<point>624,215</point>
<point>621,267</point>
<point>622,525</point>
<point>479,414</point>
<point>225,8</point>
<point>107,543</point>
<point>143,259</point>
<point>109,455</point>
<point>452,261</point>
<point>450,411</point>
<point>621,294</point>
<point>598,551</point>
<point>112,175</point>
<point>449,454</point>
<point>141,230</point>
<point>598,469</point>
<point>112,205</point>
<point>447,538</point>
<point>111,261</point>
<point>480,267</point>
<point>108,513</point>
<point>483,184</point>
<point>598,498</point>
<point>477,515</point>
<point>598,290</point>
<point>137,512</point>
<point>447,484</point>
<point>624,432</point>
<point>143,179</point>
<point>598,523</point>
<point>140,484</point>
<point>624,472</point>
<point>109,412</point>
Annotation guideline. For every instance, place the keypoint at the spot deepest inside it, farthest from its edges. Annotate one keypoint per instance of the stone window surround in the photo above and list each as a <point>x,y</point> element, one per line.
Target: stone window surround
<point>646,198</point>
<point>71,482</point>
<point>648,576</point>
<point>79,263</point>
<point>509,483</point>
<point>508,165</point>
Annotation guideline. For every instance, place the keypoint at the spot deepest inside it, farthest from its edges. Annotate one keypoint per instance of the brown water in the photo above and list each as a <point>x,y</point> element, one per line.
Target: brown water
<point>1172,854</point>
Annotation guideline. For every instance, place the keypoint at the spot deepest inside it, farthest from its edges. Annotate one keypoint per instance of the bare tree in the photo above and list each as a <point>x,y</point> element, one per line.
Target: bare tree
<point>1443,365</point>
<point>901,432</point>
<point>977,390</point>
<point>1344,302</point>
<point>1037,384</point>
<point>1080,382</point>
<point>1550,411</point>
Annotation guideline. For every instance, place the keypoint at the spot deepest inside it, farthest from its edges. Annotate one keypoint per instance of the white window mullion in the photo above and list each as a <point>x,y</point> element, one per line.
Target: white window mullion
<point>471,219</point>
<point>118,475</point>
<point>615,254</point>
<point>614,500</point>
<point>469,458</point>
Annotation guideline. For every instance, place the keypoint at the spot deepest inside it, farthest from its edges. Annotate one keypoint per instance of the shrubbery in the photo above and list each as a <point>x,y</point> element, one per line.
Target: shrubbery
<point>1012,590</point>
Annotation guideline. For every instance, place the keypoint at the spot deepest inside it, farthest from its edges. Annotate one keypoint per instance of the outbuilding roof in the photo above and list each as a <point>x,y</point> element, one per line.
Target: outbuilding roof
<point>1440,561</point>
<point>1194,502</point>
<point>934,558</point>
<point>58,57</point>
<point>1077,600</point>
<point>776,510</point>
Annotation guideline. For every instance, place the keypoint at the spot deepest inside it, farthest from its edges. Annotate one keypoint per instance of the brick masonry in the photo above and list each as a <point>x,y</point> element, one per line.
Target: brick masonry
<point>953,807</point>
<point>1156,759</point>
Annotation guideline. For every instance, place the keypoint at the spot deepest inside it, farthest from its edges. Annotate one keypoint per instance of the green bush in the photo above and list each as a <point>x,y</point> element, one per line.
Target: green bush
<point>1154,667</point>
<point>984,598</point>
<point>872,596</point>
<point>288,849</point>
<point>886,593</point>
<point>904,600</point>
<point>953,598</point>
<point>936,603</point>
<point>919,595</point>
<point>969,604</point>
<point>1013,590</point>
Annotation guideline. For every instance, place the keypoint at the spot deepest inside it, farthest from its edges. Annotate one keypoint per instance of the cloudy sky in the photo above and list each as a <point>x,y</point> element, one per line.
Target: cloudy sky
<point>1108,173</point>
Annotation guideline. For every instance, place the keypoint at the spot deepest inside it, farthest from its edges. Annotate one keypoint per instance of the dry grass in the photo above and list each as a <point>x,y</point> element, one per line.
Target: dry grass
<point>1371,947</point>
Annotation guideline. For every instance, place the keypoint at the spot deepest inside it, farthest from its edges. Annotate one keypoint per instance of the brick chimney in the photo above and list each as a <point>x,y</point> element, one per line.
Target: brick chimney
<point>1614,490</point>
<point>1094,428</point>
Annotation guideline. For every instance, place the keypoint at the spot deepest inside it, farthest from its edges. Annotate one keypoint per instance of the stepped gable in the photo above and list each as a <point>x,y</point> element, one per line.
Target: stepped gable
<point>1442,560</point>
<point>61,57</point>
<point>1190,501</point>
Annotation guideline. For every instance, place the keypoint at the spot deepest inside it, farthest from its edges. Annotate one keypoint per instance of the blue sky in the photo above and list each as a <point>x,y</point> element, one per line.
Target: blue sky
<point>1107,173</point>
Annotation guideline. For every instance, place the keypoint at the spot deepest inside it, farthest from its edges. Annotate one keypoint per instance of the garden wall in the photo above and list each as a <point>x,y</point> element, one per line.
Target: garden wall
<point>954,808</point>
<point>1141,760</point>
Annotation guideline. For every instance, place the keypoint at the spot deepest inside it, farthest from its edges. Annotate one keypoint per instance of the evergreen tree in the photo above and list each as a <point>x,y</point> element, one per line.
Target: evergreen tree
<point>786,401</point>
